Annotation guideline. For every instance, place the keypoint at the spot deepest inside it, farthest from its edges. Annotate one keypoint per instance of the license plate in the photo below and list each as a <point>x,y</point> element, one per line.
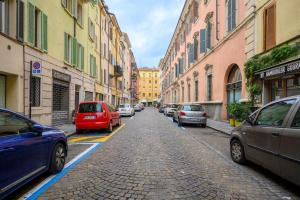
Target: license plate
<point>195,119</point>
<point>123,109</point>
<point>90,117</point>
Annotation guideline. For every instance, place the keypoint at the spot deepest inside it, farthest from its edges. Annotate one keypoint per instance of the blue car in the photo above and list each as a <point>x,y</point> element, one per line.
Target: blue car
<point>27,149</point>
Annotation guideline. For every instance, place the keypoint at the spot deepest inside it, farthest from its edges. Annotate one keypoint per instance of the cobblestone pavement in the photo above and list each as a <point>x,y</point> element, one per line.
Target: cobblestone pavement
<point>151,158</point>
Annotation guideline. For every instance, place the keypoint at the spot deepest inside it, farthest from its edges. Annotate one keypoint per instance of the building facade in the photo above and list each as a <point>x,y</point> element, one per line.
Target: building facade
<point>204,62</point>
<point>149,85</point>
<point>55,56</point>
<point>278,28</point>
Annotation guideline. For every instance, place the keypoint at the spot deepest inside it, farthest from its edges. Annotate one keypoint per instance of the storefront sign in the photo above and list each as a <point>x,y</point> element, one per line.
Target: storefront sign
<point>61,76</point>
<point>283,69</point>
<point>36,68</point>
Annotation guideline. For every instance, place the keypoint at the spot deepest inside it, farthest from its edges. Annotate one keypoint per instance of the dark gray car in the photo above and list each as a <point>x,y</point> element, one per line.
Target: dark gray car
<point>270,137</point>
<point>190,114</point>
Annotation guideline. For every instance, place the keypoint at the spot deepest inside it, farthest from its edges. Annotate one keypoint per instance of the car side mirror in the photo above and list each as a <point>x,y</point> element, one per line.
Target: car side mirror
<point>37,128</point>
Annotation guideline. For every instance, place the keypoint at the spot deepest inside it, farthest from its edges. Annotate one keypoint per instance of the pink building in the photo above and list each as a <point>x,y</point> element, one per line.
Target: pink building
<point>205,59</point>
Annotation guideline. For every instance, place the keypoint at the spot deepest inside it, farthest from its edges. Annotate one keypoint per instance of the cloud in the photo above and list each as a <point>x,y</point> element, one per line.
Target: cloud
<point>149,25</point>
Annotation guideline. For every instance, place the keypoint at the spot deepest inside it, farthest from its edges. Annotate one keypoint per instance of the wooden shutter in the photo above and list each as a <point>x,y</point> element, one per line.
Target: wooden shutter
<point>208,35</point>
<point>195,49</point>
<point>233,14</point>
<point>31,23</point>
<point>20,20</point>
<point>192,53</point>
<point>74,51</point>
<point>66,44</point>
<point>44,32</point>
<point>202,40</point>
<point>229,15</point>
<point>270,27</point>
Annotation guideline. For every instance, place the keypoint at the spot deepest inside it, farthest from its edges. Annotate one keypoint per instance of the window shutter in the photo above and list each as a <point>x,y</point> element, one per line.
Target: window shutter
<point>20,20</point>
<point>74,8</point>
<point>270,28</point>
<point>95,67</point>
<point>66,47</point>
<point>229,17</point>
<point>233,14</point>
<point>74,51</point>
<point>31,23</point>
<point>192,53</point>
<point>82,58</point>
<point>195,49</point>
<point>202,40</point>
<point>44,32</point>
<point>208,35</point>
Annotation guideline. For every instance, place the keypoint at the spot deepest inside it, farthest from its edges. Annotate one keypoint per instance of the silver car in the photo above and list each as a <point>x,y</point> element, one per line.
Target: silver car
<point>126,110</point>
<point>270,137</point>
<point>190,114</point>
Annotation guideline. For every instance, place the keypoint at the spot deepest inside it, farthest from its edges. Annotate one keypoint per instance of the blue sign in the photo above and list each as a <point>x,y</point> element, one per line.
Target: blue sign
<point>36,68</point>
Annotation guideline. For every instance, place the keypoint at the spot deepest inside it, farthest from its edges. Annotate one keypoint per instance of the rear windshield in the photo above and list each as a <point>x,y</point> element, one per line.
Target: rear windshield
<point>124,106</point>
<point>90,107</point>
<point>193,108</point>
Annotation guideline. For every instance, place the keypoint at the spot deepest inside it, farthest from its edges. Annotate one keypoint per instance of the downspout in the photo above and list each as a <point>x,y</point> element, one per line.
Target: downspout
<point>217,20</point>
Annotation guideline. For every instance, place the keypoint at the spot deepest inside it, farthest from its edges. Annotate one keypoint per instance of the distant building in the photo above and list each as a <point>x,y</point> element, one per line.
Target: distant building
<point>149,85</point>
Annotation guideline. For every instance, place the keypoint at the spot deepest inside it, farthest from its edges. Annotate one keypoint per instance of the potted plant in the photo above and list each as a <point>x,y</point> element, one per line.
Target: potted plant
<point>232,109</point>
<point>243,110</point>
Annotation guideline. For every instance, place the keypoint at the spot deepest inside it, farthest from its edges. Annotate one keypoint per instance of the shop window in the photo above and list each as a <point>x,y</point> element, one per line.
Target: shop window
<point>35,91</point>
<point>293,86</point>
<point>269,27</point>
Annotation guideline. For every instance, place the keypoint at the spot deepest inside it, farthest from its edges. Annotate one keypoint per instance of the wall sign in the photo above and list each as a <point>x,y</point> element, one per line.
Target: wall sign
<point>281,70</point>
<point>36,68</point>
<point>61,76</point>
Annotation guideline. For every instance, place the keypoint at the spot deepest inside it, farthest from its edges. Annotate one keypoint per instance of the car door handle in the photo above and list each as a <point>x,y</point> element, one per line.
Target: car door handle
<point>275,134</point>
<point>7,149</point>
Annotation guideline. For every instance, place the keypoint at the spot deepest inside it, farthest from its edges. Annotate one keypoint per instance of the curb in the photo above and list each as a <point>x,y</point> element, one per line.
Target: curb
<point>221,131</point>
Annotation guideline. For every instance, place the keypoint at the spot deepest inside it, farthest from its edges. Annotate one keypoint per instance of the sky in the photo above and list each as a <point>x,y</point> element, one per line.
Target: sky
<point>149,24</point>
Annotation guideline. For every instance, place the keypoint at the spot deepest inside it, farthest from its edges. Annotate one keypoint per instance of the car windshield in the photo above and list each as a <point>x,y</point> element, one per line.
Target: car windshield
<point>193,108</point>
<point>174,106</point>
<point>90,107</point>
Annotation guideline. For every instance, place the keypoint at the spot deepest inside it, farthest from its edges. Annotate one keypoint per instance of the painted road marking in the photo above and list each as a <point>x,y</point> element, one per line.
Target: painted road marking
<point>42,187</point>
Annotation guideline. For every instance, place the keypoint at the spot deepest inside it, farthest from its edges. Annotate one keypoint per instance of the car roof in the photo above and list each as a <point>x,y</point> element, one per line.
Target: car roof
<point>283,99</point>
<point>87,102</point>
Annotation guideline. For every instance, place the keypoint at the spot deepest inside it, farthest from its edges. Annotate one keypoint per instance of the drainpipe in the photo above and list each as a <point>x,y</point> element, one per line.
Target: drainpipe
<point>217,20</point>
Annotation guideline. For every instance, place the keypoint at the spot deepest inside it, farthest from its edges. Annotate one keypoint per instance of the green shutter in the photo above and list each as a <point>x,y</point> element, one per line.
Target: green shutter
<point>66,47</point>
<point>31,23</point>
<point>95,67</point>
<point>74,51</point>
<point>44,32</point>
<point>82,58</point>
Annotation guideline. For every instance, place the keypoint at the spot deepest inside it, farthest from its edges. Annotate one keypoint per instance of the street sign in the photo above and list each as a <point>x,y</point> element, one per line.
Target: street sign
<point>36,68</point>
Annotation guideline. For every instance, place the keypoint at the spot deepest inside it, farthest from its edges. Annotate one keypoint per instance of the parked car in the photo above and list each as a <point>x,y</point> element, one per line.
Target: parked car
<point>137,108</point>
<point>161,109</point>
<point>170,109</point>
<point>190,114</point>
<point>142,106</point>
<point>96,115</point>
<point>126,110</point>
<point>270,137</point>
<point>27,149</point>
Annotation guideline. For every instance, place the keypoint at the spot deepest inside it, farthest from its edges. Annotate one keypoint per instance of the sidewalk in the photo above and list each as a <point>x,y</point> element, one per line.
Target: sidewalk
<point>220,126</point>
<point>69,129</point>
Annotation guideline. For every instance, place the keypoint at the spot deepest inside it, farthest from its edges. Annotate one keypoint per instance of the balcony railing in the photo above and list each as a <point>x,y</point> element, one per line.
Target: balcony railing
<point>118,71</point>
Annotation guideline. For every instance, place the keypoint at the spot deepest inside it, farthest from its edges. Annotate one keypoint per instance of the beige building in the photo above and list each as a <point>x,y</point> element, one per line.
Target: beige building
<point>149,85</point>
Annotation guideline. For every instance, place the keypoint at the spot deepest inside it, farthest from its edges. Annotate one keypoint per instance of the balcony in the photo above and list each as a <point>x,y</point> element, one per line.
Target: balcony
<point>118,71</point>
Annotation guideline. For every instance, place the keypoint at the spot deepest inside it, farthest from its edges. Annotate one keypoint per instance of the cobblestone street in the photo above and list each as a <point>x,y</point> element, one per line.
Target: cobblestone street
<point>153,158</point>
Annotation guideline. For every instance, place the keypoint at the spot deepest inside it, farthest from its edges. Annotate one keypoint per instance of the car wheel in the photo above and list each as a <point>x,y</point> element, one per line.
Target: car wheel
<point>237,151</point>
<point>58,159</point>
<point>110,127</point>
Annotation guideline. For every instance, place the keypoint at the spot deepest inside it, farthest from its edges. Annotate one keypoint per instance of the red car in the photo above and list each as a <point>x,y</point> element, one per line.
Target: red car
<point>96,115</point>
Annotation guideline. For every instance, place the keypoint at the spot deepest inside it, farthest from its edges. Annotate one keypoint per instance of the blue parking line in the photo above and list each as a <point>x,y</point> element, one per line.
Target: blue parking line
<point>53,180</point>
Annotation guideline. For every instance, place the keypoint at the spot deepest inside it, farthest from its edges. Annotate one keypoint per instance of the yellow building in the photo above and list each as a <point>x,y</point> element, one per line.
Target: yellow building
<point>277,30</point>
<point>149,85</point>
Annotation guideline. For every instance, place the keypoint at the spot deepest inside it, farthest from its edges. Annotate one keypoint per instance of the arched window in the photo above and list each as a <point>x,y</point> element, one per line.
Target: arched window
<point>234,85</point>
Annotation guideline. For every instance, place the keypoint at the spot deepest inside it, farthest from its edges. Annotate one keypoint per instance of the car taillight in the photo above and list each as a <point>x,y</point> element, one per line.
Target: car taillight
<point>205,114</point>
<point>182,113</point>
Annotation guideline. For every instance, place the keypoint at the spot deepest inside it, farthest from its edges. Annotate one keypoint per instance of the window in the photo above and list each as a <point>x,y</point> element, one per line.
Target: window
<point>105,80</point>
<point>68,5</point>
<point>209,87</point>
<point>195,48</point>
<point>196,91</point>
<point>275,114</point>
<point>296,121</point>
<point>156,82</point>
<point>182,94</point>
<point>149,81</point>
<point>269,27</point>
<point>20,20</point>
<point>90,107</point>
<point>231,15</point>
<point>92,66</point>
<point>37,28</point>
<point>155,94</point>
<point>149,94</point>
<point>80,14</point>
<point>193,107</point>
<point>4,17</point>
<point>92,34</point>
<point>144,95</point>
<point>68,48</point>
<point>12,125</point>
<point>35,91</point>
<point>189,92</point>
